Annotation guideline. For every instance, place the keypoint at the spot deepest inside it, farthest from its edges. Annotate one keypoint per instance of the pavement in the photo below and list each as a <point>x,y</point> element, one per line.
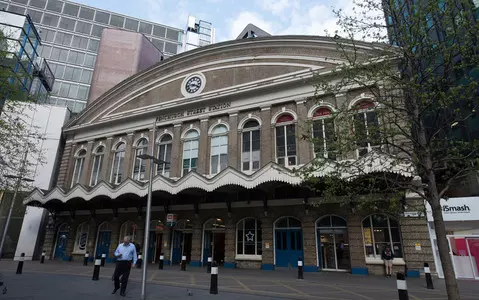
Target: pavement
<point>72,280</point>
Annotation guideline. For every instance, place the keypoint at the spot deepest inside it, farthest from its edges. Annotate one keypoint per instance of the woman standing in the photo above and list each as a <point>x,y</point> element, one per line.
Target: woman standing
<point>388,257</point>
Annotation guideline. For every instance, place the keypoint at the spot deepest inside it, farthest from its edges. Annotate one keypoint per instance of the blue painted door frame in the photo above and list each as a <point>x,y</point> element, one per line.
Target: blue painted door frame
<point>103,244</point>
<point>288,247</point>
<point>61,246</point>
<point>177,246</point>
<point>208,239</point>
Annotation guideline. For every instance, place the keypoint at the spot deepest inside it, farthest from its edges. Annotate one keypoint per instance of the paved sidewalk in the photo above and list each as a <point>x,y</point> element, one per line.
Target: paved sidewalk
<point>276,284</point>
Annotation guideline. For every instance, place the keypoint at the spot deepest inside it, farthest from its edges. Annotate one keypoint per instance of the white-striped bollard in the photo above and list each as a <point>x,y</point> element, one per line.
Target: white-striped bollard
<point>208,266</point>
<point>427,273</point>
<point>160,265</point>
<point>103,259</point>
<point>402,286</point>
<point>85,259</point>
<point>20,263</point>
<point>42,259</point>
<point>139,261</point>
<point>214,279</point>
<point>300,268</point>
<point>96,269</point>
<point>183,263</point>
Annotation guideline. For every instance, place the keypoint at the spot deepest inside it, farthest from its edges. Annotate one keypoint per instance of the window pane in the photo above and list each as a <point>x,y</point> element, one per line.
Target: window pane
<point>73,91</point>
<point>83,27</point>
<point>70,9</point>
<point>54,5</point>
<point>172,34</point>
<point>102,17</point>
<point>38,3</point>
<point>90,60</point>
<point>145,28</point>
<point>380,221</point>
<point>131,24</point>
<point>86,13</point>
<point>35,15</point>
<point>93,45</point>
<point>291,139</point>
<point>86,76</point>
<point>172,48</point>
<point>159,44</point>
<point>324,222</point>
<point>117,21</point>
<point>159,31</point>
<point>50,20</point>
<point>16,9</point>
<point>67,23</point>
<point>82,92</point>
<point>97,30</point>
<point>395,235</point>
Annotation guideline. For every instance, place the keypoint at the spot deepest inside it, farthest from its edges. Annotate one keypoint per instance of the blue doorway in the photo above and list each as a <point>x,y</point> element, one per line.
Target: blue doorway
<point>60,249</point>
<point>103,243</point>
<point>177,247</point>
<point>288,242</point>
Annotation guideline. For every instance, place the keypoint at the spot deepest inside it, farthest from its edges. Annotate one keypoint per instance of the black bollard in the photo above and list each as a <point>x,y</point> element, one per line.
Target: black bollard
<point>42,260</point>
<point>20,263</point>
<point>405,270</point>
<point>402,286</point>
<point>214,279</point>
<point>96,269</point>
<point>85,259</point>
<point>160,265</point>
<point>183,263</point>
<point>300,268</point>
<point>427,273</point>
<point>208,267</point>
<point>139,261</point>
<point>103,259</point>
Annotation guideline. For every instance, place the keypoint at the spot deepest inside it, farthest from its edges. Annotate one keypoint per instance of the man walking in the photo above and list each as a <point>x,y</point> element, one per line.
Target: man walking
<point>125,254</point>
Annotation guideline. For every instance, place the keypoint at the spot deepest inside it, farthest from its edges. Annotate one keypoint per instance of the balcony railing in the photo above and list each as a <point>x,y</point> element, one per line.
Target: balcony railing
<point>44,73</point>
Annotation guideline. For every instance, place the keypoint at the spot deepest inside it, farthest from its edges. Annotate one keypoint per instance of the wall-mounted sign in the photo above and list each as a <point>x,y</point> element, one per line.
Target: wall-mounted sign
<point>194,111</point>
<point>418,246</point>
<point>457,209</point>
<point>171,220</point>
<point>266,245</point>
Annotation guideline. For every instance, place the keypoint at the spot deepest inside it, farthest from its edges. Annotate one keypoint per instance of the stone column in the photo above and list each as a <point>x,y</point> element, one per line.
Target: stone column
<point>196,245</point>
<point>115,237</point>
<point>92,232</point>
<point>129,155</point>
<point>71,166</point>
<point>268,249</point>
<point>49,243</point>
<point>166,247</point>
<point>85,176</point>
<point>309,244</point>
<point>267,138</point>
<point>230,241</point>
<point>64,164</point>
<point>356,247</point>
<point>176,163</point>
<point>304,145</point>
<point>71,238</point>
<point>233,141</point>
<point>203,148</point>
<point>106,166</point>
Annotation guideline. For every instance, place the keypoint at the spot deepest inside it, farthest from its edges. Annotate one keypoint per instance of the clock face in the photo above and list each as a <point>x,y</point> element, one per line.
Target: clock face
<point>193,84</point>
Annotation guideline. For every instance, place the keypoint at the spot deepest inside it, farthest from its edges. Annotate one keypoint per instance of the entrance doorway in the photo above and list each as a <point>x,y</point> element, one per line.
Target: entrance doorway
<point>155,240</point>
<point>61,243</point>
<point>214,241</point>
<point>103,240</point>
<point>288,242</point>
<point>465,255</point>
<point>333,243</point>
<point>182,241</point>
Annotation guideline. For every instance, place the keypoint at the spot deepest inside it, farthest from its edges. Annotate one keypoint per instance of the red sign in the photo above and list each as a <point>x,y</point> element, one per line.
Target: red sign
<point>171,220</point>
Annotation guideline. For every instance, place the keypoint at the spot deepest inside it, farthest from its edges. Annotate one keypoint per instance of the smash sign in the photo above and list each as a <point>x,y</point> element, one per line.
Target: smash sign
<point>457,209</point>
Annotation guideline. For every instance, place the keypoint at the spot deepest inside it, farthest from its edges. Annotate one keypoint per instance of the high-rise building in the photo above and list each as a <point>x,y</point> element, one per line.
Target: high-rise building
<point>198,34</point>
<point>71,35</point>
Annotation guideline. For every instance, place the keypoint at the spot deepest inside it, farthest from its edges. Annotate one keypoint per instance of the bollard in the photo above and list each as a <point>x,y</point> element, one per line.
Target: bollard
<point>85,259</point>
<point>214,279</point>
<point>96,269</point>
<point>139,261</point>
<point>405,270</point>
<point>427,272</point>
<point>208,268</point>
<point>300,268</point>
<point>162,258</point>
<point>42,260</point>
<point>103,259</point>
<point>402,286</point>
<point>20,263</point>
<point>183,263</point>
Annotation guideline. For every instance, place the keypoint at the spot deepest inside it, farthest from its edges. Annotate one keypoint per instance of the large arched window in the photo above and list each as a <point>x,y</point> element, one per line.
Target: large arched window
<point>128,229</point>
<point>323,133</point>
<point>190,151</point>
<point>366,127</point>
<point>81,238</point>
<point>118,162</point>
<point>333,243</point>
<point>79,164</point>
<point>164,154</point>
<point>251,141</point>
<point>219,149</point>
<point>139,169</point>
<point>248,238</point>
<point>285,140</point>
<point>97,165</point>
<point>378,232</point>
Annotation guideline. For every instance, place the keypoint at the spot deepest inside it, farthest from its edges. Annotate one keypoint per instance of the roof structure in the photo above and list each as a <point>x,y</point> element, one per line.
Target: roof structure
<point>251,31</point>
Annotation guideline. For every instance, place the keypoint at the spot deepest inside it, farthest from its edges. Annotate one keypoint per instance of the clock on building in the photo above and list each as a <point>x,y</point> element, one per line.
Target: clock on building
<point>193,84</point>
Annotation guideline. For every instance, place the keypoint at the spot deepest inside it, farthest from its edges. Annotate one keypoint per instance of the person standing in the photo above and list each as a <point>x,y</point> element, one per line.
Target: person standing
<point>125,254</point>
<point>388,257</point>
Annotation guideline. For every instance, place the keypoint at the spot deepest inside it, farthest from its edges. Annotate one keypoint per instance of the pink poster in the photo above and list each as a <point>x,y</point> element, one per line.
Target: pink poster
<point>474,247</point>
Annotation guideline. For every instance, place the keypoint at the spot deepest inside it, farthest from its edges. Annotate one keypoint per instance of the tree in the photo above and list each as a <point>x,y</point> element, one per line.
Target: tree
<point>420,132</point>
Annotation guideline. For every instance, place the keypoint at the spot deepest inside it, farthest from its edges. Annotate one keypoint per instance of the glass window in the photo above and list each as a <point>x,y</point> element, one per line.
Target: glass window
<point>190,151</point>
<point>118,164</point>
<point>159,31</point>
<point>93,45</point>
<point>72,93</point>
<point>128,229</point>
<point>159,44</point>
<point>172,34</point>
<point>64,90</point>
<point>323,133</point>
<point>380,231</point>
<point>54,5</point>
<point>248,237</point>
<point>71,9</point>
<point>79,164</point>
<point>79,106</point>
<point>131,24</point>
<point>145,28</point>
<point>139,168</point>
<point>38,3</point>
<point>63,39</point>
<point>83,27</point>
<point>97,164</point>
<point>117,21</point>
<point>59,54</point>
<point>97,30</point>
<point>90,60</point>
<point>164,154</point>
<point>16,9</point>
<point>50,20</point>
<point>285,140</point>
<point>47,35</point>
<point>251,143</point>
<point>35,15</point>
<point>81,238</point>
<point>67,23</point>
<point>79,42</point>
<point>68,75</point>
<point>170,47</point>
<point>76,57</point>
<point>86,13</point>
<point>102,17</point>
<point>86,76</point>
<point>366,128</point>
<point>82,92</point>
<point>219,149</point>
<point>20,1</point>
<point>45,52</point>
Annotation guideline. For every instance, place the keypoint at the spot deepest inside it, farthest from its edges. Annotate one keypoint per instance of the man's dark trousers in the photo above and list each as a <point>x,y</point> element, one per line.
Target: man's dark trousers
<point>122,269</point>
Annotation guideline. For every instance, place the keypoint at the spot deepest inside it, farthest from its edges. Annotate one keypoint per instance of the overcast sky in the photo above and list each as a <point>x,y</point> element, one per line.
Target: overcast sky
<point>229,17</point>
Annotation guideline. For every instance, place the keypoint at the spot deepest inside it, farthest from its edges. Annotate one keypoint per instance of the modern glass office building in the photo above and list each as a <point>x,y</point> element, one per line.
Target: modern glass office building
<point>71,35</point>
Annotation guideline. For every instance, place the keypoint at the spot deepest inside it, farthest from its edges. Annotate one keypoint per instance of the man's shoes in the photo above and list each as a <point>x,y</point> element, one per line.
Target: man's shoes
<point>122,293</point>
<point>114,291</point>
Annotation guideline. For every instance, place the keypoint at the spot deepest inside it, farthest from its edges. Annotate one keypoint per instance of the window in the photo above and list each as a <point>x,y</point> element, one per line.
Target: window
<point>54,5</point>
<point>86,13</point>
<point>47,35</point>
<point>45,53</point>
<point>83,27</point>
<point>50,20</point>
<point>378,232</point>
<point>128,229</point>
<point>93,45</point>
<point>82,92</point>
<point>67,23</point>
<point>79,164</point>
<point>366,127</point>
<point>81,238</point>
<point>16,9</point>
<point>117,21</point>
<point>118,162</point>
<point>248,237</point>
<point>59,54</point>
<point>35,15</point>
<point>102,17</point>
<point>97,30</point>
<point>97,165</point>
<point>71,9</point>
<point>76,57</point>
<point>190,151</point>
<point>131,24</point>
<point>159,31</point>
<point>38,3</point>
<point>145,28</point>
<point>90,60</point>
<point>159,44</point>
<point>85,76</point>
<point>164,154</point>
<point>79,42</point>
<point>251,141</point>
<point>63,39</point>
<point>285,140</point>
<point>172,34</point>
<point>170,47</point>
<point>323,133</point>
<point>72,93</point>
<point>139,169</point>
<point>219,149</point>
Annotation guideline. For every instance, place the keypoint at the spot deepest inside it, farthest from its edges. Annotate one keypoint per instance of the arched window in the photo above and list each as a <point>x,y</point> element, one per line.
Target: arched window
<point>288,222</point>
<point>79,164</point>
<point>248,237</point>
<point>139,169</point>
<point>323,133</point>
<point>378,232</point>
<point>285,140</point>
<point>81,238</point>
<point>190,151</point>
<point>366,127</point>
<point>97,165</point>
<point>128,229</point>
<point>333,243</point>
<point>118,162</point>
<point>251,141</point>
<point>219,149</point>
<point>164,154</point>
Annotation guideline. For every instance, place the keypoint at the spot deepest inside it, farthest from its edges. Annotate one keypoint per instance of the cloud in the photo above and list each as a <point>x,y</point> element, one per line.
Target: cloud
<point>246,17</point>
<point>278,7</point>
<point>164,13</point>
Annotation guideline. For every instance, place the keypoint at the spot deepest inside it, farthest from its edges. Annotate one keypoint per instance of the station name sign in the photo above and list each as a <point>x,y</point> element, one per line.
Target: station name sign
<point>194,111</point>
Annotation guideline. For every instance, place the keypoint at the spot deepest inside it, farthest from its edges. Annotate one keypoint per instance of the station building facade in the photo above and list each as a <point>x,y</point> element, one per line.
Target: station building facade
<point>230,119</point>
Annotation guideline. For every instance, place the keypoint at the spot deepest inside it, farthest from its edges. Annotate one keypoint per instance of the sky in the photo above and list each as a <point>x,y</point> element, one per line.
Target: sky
<point>229,17</point>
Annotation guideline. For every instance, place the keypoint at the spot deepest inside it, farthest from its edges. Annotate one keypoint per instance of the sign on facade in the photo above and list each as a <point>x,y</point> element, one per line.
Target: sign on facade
<point>171,220</point>
<point>457,209</point>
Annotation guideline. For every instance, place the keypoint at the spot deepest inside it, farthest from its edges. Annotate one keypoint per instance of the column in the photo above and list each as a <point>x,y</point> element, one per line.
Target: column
<point>71,166</point>
<point>356,247</point>
<point>233,141</point>
<point>64,165</point>
<point>106,168</point>
<point>268,249</point>
<point>309,244</point>
<point>230,241</point>
<point>49,242</point>
<point>166,247</point>
<point>129,155</point>
<point>140,233</point>
<point>196,243</point>
<point>71,239</point>
<point>203,148</point>
<point>85,176</point>
<point>92,232</point>
<point>115,237</point>
<point>267,139</point>
<point>304,145</point>
<point>176,163</point>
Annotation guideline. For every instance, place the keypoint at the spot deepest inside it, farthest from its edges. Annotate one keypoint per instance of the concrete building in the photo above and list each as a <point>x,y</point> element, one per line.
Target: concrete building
<point>198,34</point>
